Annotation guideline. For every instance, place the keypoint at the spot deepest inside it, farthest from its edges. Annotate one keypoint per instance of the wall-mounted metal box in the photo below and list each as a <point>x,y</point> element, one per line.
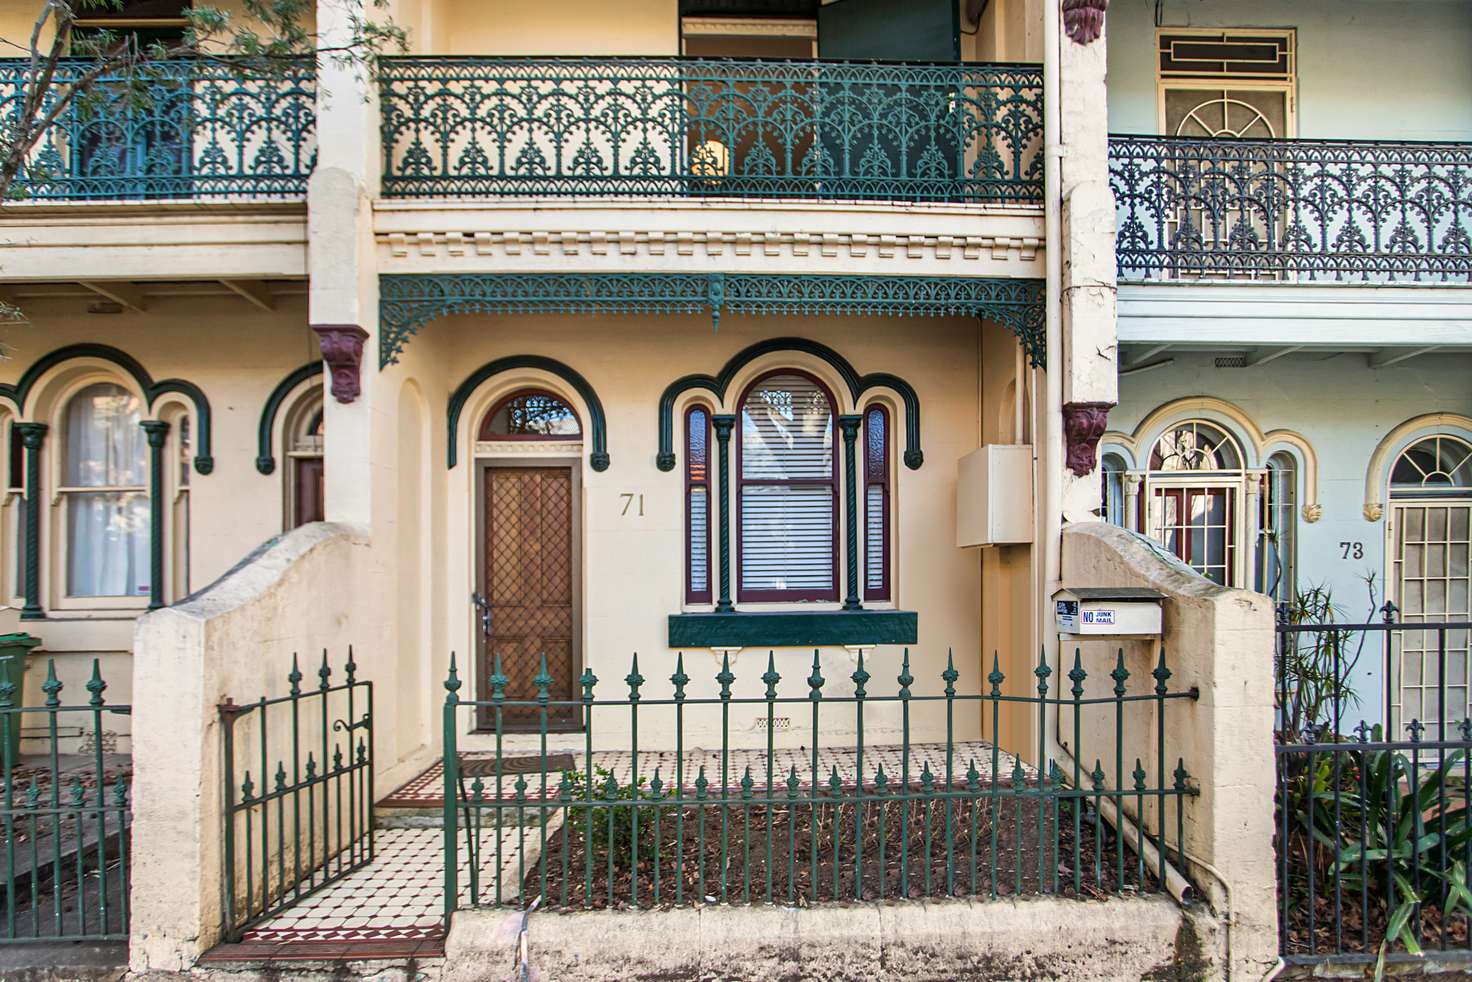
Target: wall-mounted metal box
<point>994,499</point>
<point>1108,612</point>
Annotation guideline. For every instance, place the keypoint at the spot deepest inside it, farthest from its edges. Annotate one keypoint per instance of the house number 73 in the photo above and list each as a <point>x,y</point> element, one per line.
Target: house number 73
<point>632,500</point>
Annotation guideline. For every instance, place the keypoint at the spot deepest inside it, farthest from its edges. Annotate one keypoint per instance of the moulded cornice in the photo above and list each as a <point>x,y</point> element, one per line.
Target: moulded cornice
<point>960,247</point>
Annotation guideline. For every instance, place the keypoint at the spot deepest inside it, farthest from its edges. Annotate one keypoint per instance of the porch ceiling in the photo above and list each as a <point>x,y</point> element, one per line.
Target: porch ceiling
<point>147,241</point>
<point>1262,322</point>
<point>116,296</point>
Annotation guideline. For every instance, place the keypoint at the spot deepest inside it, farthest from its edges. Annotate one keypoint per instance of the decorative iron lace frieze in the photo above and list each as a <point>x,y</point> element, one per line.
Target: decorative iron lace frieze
<point>175,129</point>
<point>1318,210</point>
<point>407,303</point>
<point>711,127</point>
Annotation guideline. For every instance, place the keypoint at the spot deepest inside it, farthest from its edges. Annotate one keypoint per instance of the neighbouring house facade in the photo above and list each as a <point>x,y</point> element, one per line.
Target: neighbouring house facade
<point>709,400</point>
<point>1293,308</point>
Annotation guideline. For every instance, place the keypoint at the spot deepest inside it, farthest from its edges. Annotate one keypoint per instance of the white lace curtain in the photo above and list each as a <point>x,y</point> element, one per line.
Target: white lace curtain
<point>105,484</point>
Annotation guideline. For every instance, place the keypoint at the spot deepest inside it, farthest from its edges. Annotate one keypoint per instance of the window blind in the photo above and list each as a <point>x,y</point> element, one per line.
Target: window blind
<point>788,490</point>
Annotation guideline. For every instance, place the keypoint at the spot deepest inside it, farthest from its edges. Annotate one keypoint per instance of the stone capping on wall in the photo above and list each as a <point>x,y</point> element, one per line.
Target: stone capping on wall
<point>304,591</point>
<point>1220,641</point>
<point>1033,938</point>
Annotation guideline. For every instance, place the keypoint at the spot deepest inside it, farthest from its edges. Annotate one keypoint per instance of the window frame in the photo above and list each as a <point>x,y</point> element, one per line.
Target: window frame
<point>485,418</point>
<point>1226,80</point>
<point>308,406</point>
<point>58,550</point>
<point>743,594</point>
<point>693,596</point>
<point>882,479</point>
<point>12,514</point>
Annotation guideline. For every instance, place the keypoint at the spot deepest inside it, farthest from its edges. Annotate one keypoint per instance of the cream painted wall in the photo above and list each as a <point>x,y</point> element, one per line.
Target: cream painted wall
<point>18,18</point>
<point>1367,69</point>
<point>234,352</point>
<point>633,567</point>
<point>575,27</point>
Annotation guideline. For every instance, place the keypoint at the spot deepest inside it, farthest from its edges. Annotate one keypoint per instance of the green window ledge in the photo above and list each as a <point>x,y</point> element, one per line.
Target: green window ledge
<point>793,629</point>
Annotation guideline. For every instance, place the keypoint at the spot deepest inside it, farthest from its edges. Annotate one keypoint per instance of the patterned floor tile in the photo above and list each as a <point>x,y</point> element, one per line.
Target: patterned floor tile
<point>426,790</point>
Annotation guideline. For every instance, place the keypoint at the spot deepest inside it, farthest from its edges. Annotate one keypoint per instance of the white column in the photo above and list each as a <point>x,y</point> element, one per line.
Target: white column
<point>343,284</point>
<point>1088,360</point>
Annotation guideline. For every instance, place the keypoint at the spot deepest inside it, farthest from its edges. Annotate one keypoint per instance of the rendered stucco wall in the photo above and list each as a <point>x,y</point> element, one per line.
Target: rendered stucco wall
<point>1220,641</point>
<point>1367,69</point>
<point>237,354</point>
<point>633,565</point>
<point>1344,409</point>
<point>237,640</point>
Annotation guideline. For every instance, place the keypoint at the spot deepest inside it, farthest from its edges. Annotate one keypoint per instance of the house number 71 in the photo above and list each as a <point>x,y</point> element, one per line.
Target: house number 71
<point>629,499</point>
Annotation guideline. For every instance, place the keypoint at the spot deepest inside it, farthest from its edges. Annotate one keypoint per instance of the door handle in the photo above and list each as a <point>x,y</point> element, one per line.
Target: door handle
<point>484,607</point>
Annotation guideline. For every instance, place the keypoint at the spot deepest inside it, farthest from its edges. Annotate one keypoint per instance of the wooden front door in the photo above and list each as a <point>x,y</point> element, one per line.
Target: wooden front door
<point>530,578</point>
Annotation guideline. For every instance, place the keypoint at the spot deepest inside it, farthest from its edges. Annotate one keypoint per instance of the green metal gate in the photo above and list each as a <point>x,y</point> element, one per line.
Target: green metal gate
<point>298,776</point>
<point>65,814</point>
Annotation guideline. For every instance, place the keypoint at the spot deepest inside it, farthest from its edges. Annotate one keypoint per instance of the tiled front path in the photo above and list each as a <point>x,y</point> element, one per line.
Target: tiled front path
<point>394,906</point>
<point>427,790</point>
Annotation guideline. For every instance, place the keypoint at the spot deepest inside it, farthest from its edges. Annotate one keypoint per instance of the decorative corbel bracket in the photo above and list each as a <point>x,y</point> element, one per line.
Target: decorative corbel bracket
<point>1083,424</point>
<point>1083,20</point>
<point>342,350</point>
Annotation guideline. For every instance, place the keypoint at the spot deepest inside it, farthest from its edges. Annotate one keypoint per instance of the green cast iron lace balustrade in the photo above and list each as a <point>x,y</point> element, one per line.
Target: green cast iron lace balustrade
<point>177,129</point>
<point>711,127</point>
<point>1328,210</point>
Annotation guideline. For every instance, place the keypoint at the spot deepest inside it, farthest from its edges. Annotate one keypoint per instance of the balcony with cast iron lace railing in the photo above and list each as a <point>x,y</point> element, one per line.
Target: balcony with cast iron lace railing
<point>1330,211</point>
<point>182,129</point>
<point>824,130</point>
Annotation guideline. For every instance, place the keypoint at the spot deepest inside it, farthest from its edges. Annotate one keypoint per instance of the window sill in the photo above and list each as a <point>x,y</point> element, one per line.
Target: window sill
<point>793,629</point>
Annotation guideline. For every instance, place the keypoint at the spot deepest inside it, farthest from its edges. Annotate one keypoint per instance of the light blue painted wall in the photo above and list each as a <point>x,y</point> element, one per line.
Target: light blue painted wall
<point>1343,408</point>
<point>1367,69</point>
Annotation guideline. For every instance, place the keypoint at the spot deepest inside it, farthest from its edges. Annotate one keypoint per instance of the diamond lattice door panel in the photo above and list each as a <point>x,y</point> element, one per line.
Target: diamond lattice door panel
<point>530,576</point>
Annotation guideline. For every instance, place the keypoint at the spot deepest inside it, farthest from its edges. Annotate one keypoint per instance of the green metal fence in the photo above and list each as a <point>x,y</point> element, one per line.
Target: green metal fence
<point>65,816</point>
<point>697,126</point>
<point>298,793</point>
<point>848,805</point>
<point>177,129</point>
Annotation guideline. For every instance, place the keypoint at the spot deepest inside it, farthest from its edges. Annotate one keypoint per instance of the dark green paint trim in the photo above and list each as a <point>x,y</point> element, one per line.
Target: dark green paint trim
<point>793,629</point>
<point>723,424</point>
<point>33,437</point>
<point>266,428</point>
<point>597,422</point>
<point>19,393</point>
<point>857,386</point>
<point>408,302</point>
<point>157,432</point>
<point>849,428</point>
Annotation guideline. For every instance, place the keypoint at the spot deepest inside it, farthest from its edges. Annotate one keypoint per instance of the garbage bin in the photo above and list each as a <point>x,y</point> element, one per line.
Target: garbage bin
<point>14,648</point>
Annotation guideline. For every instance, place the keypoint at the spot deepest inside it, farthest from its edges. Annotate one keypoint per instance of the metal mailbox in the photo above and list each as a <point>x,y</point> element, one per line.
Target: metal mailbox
<point>1108,612</point>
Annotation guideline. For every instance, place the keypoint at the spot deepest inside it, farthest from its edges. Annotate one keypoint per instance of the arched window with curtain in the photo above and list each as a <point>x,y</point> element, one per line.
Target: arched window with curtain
<point>1428,578</point>
<point>877,503</point>
<point>1277,529</point>
<point>306,474</point>
<point>104,490</point>
<point>697,505</point>
<point>787,499</point>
